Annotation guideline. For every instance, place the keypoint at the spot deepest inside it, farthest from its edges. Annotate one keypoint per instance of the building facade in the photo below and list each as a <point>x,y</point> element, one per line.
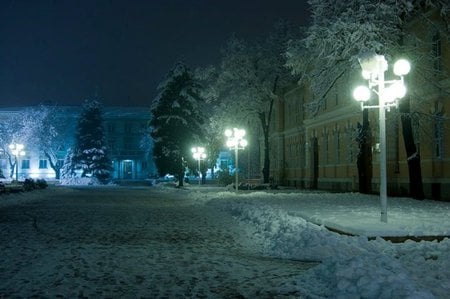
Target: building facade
<point>129,147</point>
<point>319,150</point>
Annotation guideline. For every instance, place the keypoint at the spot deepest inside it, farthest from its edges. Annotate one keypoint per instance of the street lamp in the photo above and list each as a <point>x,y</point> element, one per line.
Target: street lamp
<point>17,150</point>
<point>389,93</point>
<point>236,142</point>
<point>199,154</point>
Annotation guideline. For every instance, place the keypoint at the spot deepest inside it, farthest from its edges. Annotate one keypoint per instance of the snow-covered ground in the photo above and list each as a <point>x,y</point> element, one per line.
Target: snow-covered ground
<point>257,224</point>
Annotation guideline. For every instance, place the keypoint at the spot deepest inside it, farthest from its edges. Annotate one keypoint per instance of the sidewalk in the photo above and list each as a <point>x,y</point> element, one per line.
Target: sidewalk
<point>359,215</point>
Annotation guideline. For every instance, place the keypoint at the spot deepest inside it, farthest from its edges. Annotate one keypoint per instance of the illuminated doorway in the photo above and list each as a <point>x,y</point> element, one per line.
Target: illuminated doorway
<point>127,169</point>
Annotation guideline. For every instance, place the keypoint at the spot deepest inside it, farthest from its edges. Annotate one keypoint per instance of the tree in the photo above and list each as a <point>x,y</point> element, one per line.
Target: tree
<point>7,136</point>
<point>364,160</point>
<point>90,152</point>
<point>176,122</point>
<point>250,77</point>
<point>19,128</point>
<point>51,131</point>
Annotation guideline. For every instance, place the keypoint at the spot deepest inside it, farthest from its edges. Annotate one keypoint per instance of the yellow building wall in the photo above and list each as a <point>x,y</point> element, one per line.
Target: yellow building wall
<point>334,127</point>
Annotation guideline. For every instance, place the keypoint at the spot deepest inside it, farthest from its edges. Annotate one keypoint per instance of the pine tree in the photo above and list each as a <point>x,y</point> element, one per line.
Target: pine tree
<point>90,151</point>
<point>177,121</point>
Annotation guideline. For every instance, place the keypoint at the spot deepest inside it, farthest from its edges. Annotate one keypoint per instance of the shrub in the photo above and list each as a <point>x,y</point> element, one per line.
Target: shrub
<point>29,184</point>
<point>41,183</point>
<point>224,177</point>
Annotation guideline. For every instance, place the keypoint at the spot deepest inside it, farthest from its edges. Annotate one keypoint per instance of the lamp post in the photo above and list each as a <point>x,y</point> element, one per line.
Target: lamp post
<point>17,150</point>
<point>199,154</point>
<point>236,142</point>
<point>389,93</point>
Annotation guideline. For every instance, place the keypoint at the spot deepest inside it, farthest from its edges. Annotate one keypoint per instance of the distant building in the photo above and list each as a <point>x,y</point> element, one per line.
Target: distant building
<point>125,129</point>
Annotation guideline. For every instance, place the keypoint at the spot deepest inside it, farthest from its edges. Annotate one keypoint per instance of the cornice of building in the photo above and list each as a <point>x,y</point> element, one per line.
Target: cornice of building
<point>335,115</point>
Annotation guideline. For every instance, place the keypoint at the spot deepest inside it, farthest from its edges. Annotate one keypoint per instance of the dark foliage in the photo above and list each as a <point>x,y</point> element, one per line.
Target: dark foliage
<point>29,185</point>
<point>224,177</point>
<point>41,184</point>
<point>177,122</point>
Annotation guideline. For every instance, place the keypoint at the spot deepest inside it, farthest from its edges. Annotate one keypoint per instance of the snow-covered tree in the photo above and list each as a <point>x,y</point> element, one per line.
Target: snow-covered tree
<point>90,153</point>
<point>177,121</point>
<point>250,76</point>
<point>19,128</point>
<point>7,136</point>
<point>51,131</point>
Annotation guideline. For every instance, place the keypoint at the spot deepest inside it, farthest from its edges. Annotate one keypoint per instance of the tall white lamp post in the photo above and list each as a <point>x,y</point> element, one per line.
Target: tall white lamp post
<point>17,150</point>
<point>199,154</point>
<point>236,142</point>
<point>389,93</point>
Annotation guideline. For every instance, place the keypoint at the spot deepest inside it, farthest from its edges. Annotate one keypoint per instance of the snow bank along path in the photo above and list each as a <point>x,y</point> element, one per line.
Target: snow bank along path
<point>352,267</point>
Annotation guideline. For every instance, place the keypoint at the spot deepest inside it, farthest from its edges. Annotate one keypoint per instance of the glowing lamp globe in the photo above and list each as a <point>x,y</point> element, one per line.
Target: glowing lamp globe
<point>402,67</point>
<point>361,93</point>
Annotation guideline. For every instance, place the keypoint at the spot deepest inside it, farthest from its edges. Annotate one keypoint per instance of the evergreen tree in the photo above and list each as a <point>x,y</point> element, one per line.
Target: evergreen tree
<point>177,121</point>
<point>90,152</point>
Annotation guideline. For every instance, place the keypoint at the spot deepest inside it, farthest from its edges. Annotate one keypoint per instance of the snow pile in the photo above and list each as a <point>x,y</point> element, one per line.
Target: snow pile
<point>351,267</point>
<point>77,181</point>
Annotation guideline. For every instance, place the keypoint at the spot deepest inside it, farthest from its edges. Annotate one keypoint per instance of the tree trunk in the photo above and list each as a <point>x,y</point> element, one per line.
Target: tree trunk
<point>266,167</point>
<point>55,166</point>
<point>181,179</point>
<point>183,164</point>
<point>12,168</point>
<point>265,126</point>
<point>364,160</point>
<point>414,168</point>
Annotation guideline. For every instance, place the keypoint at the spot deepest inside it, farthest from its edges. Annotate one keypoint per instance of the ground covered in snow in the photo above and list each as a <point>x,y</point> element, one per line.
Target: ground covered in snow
<point>209,242</point>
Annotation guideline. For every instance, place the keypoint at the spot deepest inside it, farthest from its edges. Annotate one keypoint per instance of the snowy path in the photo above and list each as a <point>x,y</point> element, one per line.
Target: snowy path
<point>122,243</point>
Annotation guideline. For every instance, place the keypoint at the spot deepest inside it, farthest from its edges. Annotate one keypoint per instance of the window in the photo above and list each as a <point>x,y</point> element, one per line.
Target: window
<point>42,164</point>
<point>326,148</point>
<point>127,144</point>
<point>438,143</point>
<point>437,51</point>
<point>338,146</point>
<point>111,128</point>
<point>25,164</point>
<point>128,127</point>
<point>111,144</point>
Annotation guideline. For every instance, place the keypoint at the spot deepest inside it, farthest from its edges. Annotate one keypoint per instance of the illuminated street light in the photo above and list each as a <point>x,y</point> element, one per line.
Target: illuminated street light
<point>17,151</point>
<point>199,154</point>
<point>389,93</point>
<point>236,142</point>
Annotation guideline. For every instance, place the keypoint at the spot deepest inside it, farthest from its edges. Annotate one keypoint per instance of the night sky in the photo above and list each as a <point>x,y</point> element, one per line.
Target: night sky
<point>65,51</point>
